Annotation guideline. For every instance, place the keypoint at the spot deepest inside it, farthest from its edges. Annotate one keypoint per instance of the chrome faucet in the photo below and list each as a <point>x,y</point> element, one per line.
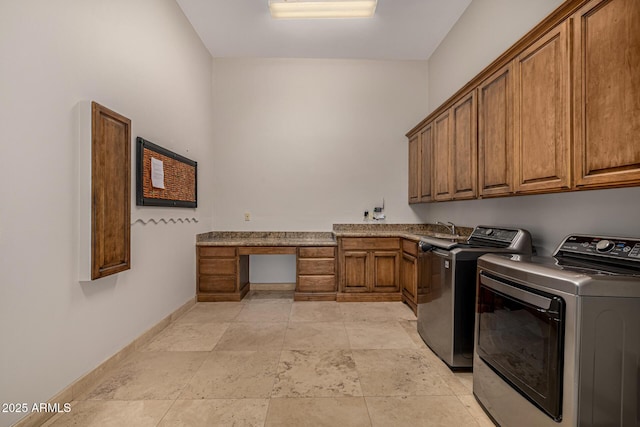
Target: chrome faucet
<point>449,226</point>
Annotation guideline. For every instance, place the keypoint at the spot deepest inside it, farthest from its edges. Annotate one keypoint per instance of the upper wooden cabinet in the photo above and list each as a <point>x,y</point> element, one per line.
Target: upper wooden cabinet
<point>558,111</point>
<point>442,157</point>
<point>426,163</point>
<point>420,165</point>
<point>464,157</point>
<point>542,114</point>
<point>495,133</point>
<point>414,169</point>
<point>607,93</point>
<point>454,151</point>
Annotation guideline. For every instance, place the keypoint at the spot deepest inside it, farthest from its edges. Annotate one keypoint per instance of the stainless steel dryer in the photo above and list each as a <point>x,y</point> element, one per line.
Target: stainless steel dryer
<point>557,339</point>
<point>447,292</point>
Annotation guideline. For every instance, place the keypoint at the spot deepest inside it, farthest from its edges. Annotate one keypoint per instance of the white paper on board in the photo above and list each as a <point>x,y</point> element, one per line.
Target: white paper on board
<point>157,173</point>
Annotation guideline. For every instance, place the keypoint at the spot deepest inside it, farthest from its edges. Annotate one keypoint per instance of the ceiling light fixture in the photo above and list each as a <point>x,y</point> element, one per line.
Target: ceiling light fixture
<point>303,9</point>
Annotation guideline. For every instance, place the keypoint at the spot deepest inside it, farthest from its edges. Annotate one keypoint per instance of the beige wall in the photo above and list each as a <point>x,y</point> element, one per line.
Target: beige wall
<point>302,144</point>
<point>143,60</point>
<point>305,143</point>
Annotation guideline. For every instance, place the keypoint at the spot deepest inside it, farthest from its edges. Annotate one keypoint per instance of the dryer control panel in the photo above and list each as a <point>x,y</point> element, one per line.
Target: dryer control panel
<point>601,247</point>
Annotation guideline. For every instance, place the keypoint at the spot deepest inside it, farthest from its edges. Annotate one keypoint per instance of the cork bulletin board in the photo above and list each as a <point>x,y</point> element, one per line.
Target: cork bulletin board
<point>164,178</point>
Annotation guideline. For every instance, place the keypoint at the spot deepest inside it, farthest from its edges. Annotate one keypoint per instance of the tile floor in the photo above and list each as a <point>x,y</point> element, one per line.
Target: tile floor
<point>269,361</point>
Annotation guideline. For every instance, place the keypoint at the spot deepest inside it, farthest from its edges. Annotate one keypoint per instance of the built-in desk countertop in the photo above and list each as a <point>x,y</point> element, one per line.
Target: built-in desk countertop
<point>322,238</point>
<point>267,242</point>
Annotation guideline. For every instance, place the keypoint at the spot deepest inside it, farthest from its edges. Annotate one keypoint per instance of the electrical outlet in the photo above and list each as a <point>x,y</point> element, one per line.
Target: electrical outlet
<point>247,216</point>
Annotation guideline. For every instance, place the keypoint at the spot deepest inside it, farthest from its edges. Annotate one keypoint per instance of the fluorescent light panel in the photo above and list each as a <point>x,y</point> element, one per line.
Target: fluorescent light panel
<point>294,9</point>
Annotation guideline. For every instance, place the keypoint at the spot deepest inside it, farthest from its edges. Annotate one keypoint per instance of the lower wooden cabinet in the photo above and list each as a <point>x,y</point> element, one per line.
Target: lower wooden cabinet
<point>316,274</point>
<point>409,274</point>
<point>385,271</point>
<point>369,269</point>
<point>221,274</point>
<point>354,274</point>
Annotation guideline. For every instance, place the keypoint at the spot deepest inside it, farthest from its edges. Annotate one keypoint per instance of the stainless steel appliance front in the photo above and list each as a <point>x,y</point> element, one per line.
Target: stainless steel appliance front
<point>521,337</point>
<point>575,362</point>
<point>446,294</point>
<point>445,307</point>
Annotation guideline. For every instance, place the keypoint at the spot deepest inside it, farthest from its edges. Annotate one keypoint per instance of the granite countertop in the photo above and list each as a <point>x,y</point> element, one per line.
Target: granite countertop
<point>405,231</point>
<point>322,238</point>
<point>266,238</point>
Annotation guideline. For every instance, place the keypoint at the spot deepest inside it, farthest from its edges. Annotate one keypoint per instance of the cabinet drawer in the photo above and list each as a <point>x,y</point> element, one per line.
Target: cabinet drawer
<point>219,266</point>
<point>317,283</point>
<point>218,284</point>
<point>370,243</point>
<point>409,246</point>
<point>317,252</point>
<point>213,251</point>
<point>316,266</point>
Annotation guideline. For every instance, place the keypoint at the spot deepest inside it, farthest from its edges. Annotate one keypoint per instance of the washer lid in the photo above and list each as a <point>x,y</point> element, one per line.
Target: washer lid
<point>438,243</point>
<point>513,239</point>
<point>552,274</point>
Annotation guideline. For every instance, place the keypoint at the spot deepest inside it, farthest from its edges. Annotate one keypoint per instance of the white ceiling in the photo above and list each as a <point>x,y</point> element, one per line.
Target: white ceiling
<point>400,29</point>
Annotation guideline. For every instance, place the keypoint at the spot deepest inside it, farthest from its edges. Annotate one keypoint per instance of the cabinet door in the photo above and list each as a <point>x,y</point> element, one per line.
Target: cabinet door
<point>426,164</point>
<point>495,134</point>
<point>385,271</point>
<point>607,93</point>
<point>354,274</point>
<point>542,114</point>
<point>442,157</point>
<point>110,192</point>
<point>408,276</point>
<point>464,148</point>
<point>414,169</point>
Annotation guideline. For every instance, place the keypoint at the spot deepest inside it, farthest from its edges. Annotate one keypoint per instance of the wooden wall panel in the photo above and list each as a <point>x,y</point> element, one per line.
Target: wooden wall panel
<point>110,192</point>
